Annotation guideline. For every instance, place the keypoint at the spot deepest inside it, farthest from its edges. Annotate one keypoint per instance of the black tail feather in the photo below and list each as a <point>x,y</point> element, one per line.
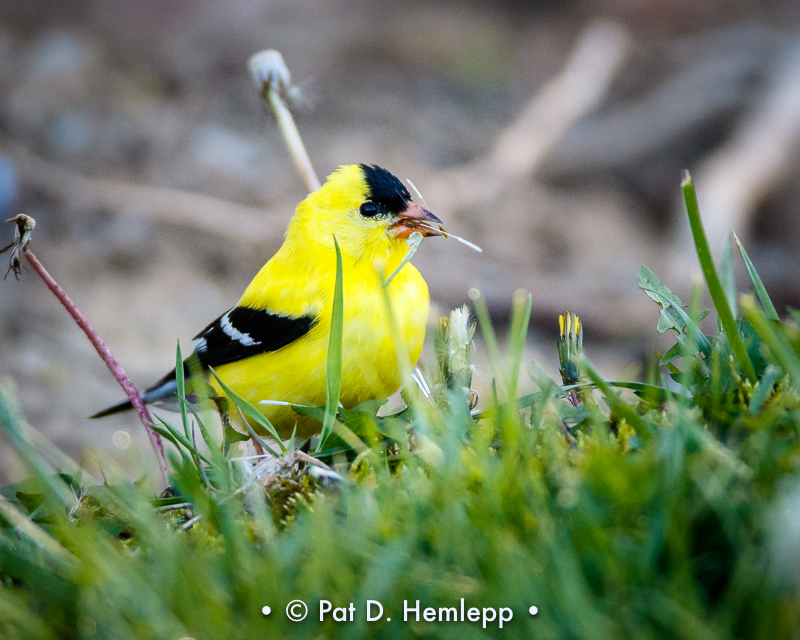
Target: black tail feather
<point>161,390</point>
<point>117,408</point>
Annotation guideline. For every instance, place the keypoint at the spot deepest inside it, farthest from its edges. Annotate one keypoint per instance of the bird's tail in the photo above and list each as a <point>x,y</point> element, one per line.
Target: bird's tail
<point>110,411</point>
<point>161,392</point>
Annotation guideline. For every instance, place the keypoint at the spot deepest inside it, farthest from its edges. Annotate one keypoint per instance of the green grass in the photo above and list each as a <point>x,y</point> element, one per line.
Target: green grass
<point>641,510</point>
<point>334,364</point>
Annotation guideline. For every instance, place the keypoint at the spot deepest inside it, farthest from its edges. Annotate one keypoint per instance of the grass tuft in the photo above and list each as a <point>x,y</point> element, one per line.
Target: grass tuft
<point>619,509</point>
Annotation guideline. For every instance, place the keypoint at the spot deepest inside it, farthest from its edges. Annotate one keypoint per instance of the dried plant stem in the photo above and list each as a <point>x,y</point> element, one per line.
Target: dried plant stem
<point>111,362</point>
<point>274,81</point>
<point>292,139</point>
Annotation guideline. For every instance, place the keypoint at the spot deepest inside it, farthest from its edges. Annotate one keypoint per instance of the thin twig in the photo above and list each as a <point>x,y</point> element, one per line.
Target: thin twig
<point>174,507</point>
<point>190,523</point>
<point>302,456</point>
<point>25,225</point>
<point>257,446</point>
<point>111,362</point>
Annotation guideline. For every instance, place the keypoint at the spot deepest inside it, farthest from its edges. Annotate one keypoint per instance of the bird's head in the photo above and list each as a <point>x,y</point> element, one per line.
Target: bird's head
<point>369,211</point>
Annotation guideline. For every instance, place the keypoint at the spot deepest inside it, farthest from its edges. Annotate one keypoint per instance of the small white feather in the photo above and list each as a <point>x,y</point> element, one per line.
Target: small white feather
<point>234,334</point>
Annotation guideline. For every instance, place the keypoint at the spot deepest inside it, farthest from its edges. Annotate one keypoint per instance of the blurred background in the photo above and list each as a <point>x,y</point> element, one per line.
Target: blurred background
<point>553,134</point>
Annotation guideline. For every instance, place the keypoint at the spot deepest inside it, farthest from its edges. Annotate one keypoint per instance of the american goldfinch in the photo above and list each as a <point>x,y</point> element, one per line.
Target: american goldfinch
<point>273,344</point>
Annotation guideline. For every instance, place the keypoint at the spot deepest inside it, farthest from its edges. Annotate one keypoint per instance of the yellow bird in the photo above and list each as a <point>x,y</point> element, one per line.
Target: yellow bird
<point>273,344</point>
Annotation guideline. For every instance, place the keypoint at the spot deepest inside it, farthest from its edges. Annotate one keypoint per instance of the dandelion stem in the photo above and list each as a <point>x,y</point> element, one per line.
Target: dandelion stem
<point>292,139</point>
<point>273,80</point>
<point>111,362</point>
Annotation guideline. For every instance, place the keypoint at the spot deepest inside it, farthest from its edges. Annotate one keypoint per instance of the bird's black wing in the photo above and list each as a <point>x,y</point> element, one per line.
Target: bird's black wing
<point>239,333</point>
<point>243,332</point>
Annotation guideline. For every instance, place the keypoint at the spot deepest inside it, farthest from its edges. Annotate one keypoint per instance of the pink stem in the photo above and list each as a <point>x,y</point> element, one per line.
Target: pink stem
<point>111,362</point>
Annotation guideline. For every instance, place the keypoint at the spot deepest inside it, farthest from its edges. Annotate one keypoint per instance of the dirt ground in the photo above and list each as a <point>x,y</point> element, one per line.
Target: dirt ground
<point>553,134</point>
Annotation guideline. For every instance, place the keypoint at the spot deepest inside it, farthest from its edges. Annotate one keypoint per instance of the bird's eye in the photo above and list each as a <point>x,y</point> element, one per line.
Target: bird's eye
<point>368,209</point>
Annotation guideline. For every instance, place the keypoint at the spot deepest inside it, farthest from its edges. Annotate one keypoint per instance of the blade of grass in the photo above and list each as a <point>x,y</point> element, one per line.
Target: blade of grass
<point>177,438</point>
<point>614,401</point>
<point>644,390</point>
<point>292,444</point>
<point>520,318</point>
<point>689,346</point>
<point>777,342</point>
<point>489,336</point>
<point>25,527</point>
<point>196,452</point>
<point>763,389</point>
<point>712,279</point>
<point>60,461</point>
<point>696,298</point>
<point>761,291</point>
<point>180,382</point>
<point>346,434</point>
<point>10,421</point>
<point>334,365</point>
<point>261,442</point>
<point>726,275</point>
<point>213,447</point>
<point>249,410</point>
<point>716,381</point>
<point>419,409</point>
<point>166,434</point>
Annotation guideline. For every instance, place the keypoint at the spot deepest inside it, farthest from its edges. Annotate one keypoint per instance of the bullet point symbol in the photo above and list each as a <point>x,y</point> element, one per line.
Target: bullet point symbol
<point>266,610</point>
<point>533,611</point>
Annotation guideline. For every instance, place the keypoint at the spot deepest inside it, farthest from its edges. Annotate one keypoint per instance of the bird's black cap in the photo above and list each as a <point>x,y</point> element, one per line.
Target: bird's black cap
<point>385,189</point>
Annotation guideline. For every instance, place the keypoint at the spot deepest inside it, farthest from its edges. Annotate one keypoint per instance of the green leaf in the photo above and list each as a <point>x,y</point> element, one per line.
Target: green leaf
<point>674,352</point>
<point>615,402</point>
<point>181,389</point>
<point>489,336</point>
<point>763,389</point>
<point>231,435</point>
<point>761,291</point>
<point>673,315</point>
<point>318,413</point>
<point>370,407</point>
<point>177,438</point>
<point>334,365</point>
<point>520,318</point>
<point>645,391</point>
<point>771,331</point>
<point>11,423</point>
<point>249,410</point>
<point>726,275</point>
<point>712,279</point>
<point>22,565</point>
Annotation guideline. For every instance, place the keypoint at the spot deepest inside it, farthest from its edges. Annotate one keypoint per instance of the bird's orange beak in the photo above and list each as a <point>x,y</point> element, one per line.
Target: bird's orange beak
<point>416,218</point>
